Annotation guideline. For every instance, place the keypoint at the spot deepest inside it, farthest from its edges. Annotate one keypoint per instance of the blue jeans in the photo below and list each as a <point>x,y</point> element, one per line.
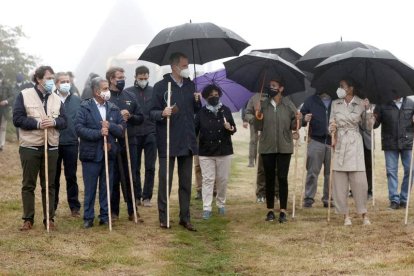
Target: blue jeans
<point>92,173</point>
<point>391,163</point>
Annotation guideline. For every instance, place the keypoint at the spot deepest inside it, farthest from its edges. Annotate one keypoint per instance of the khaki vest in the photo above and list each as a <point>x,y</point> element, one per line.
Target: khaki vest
<point>34,109</point>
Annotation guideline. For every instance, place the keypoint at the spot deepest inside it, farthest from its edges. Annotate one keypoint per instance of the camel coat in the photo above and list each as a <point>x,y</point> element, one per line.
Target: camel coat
<point>349,149</point>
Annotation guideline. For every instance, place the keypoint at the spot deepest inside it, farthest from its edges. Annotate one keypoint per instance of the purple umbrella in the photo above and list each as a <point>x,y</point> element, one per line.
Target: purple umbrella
<point>234,95</point>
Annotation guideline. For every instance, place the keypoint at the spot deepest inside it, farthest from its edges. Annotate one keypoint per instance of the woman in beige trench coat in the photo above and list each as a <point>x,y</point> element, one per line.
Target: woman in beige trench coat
<point>347,113</point>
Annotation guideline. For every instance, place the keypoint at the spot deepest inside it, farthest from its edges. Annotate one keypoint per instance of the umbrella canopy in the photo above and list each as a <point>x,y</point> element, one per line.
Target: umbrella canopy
<point>255,68</point>
<point>378,74</point>
<point>201,42</point>
<point>234,95</point>
<point>285,53</point>
<point>322,51</point>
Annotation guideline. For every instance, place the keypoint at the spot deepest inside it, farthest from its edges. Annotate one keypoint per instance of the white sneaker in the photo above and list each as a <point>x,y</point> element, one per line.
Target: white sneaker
<point>366,221</point>
<point>347,221</point>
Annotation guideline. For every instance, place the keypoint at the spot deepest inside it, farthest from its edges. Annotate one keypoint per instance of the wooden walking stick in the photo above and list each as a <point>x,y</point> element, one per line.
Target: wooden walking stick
<point>304,173</point>
<point>47,182</point>
<point>330,173</point>
<point>296,138</point>
<point>410,179</point>
<point>130,176</point>
<point>108,190</point>
<point>168,156</point>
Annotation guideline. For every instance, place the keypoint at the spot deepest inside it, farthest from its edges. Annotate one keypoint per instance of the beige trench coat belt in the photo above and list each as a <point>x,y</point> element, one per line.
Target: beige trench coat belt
<point>352,134</point>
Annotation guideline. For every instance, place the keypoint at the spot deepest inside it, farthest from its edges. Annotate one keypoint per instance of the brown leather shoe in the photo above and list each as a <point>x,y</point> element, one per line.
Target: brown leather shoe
<point>75,213</point>
<point>188,226</point>
<point>52,226</point>
<point>27,225</point>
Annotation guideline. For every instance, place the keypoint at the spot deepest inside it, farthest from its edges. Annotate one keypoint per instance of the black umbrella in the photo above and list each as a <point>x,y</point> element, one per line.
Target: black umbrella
<point>254,69</point>
<point>285,53</point>
<point>201,42</point>
<point>322,51</point>
<point>378,74</point>
<point>293,56</point>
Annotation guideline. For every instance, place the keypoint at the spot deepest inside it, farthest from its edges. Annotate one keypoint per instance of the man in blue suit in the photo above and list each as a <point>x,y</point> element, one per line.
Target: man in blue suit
<point>97,118</point>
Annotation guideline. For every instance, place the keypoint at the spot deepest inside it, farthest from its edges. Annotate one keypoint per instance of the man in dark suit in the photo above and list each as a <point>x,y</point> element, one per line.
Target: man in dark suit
<point>183,145</point>
<point>97,118</point>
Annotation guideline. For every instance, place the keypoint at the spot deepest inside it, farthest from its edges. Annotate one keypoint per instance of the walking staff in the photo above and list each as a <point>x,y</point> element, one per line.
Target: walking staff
<point>305,157</point>
<point>130,176</point>
<point>410,179</point>
<point>296,138</point>
<point>47,184</point>
<point>108,188</point>
<point>168,155</point>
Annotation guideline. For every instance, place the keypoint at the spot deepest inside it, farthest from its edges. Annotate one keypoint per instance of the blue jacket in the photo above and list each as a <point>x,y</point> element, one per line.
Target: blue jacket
<point>68,136</point>
<point>88,127</point>
<point>144,97</point>
<point>127,100</point>
<point>182,130</point>
<point>320,119</point>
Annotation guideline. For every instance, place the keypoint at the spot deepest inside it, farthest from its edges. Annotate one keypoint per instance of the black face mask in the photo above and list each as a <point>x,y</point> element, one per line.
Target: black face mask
<point>213,101</point>
<point>272,93</point>
<point>120,84</point>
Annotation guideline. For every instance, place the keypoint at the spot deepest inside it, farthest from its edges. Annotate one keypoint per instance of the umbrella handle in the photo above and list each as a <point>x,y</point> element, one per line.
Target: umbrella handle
<point>259,115</point>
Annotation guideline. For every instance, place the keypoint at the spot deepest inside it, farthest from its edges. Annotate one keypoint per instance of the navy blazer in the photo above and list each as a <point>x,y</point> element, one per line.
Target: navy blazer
<point>182,130</point>
<point>88,127</point>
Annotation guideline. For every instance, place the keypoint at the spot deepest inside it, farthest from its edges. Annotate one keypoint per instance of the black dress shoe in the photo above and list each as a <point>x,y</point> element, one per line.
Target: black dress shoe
<point>101,222</point>
<point>394,205</point>
<point>187,226</point>
<point>164,225</point>
<point>88,224</point>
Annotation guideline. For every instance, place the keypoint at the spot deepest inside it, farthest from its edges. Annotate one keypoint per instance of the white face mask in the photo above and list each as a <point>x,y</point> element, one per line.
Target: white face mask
<point>142,83</point>
<point>64,88</point>
<point>105,95</point>
<point>185,73</point>
<point>341,93</point>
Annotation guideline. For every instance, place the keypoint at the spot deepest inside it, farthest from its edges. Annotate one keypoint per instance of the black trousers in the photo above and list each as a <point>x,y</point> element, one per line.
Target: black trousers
<point>368,168</point>
<point>148,145</point>
<point>185,167</point>
<point>280,162</point>
<point>69,156</point>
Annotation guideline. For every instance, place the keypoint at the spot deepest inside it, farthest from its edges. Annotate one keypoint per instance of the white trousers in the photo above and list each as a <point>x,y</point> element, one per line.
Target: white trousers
<point>214,169</point>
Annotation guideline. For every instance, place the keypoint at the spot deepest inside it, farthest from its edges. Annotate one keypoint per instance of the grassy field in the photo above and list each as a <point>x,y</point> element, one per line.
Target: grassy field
<point>240,243</point>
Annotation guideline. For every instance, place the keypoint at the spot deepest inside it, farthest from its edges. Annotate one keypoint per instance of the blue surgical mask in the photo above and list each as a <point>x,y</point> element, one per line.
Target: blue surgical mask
<point>64,88</point>
<point>48,86</point>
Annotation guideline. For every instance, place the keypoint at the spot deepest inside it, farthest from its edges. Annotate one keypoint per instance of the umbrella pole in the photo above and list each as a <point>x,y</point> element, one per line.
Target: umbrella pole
<point>304,173</point>
<point>130,176</point>
<point>47,182</point>
<point>168,157</point>
<point>296,170</point>
<point>108,190</point>
<point>410,179</point>
<point>258,114</point>
<point>373,165</point>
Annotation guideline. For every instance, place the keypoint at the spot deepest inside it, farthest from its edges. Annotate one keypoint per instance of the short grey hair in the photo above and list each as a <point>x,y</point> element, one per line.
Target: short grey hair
<point>60,74</point>
<point>96,82</point>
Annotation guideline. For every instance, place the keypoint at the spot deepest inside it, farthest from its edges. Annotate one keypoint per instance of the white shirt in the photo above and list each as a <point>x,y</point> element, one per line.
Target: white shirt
<point>347,104</point>
<point>180,84</point>
<point>102,109</point>
<point>62,97</point>
<point>272,101</point>
<point>399,102</point>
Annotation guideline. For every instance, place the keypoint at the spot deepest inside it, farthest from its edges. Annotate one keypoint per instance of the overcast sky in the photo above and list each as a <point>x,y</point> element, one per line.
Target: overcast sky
<point>60,31</point>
